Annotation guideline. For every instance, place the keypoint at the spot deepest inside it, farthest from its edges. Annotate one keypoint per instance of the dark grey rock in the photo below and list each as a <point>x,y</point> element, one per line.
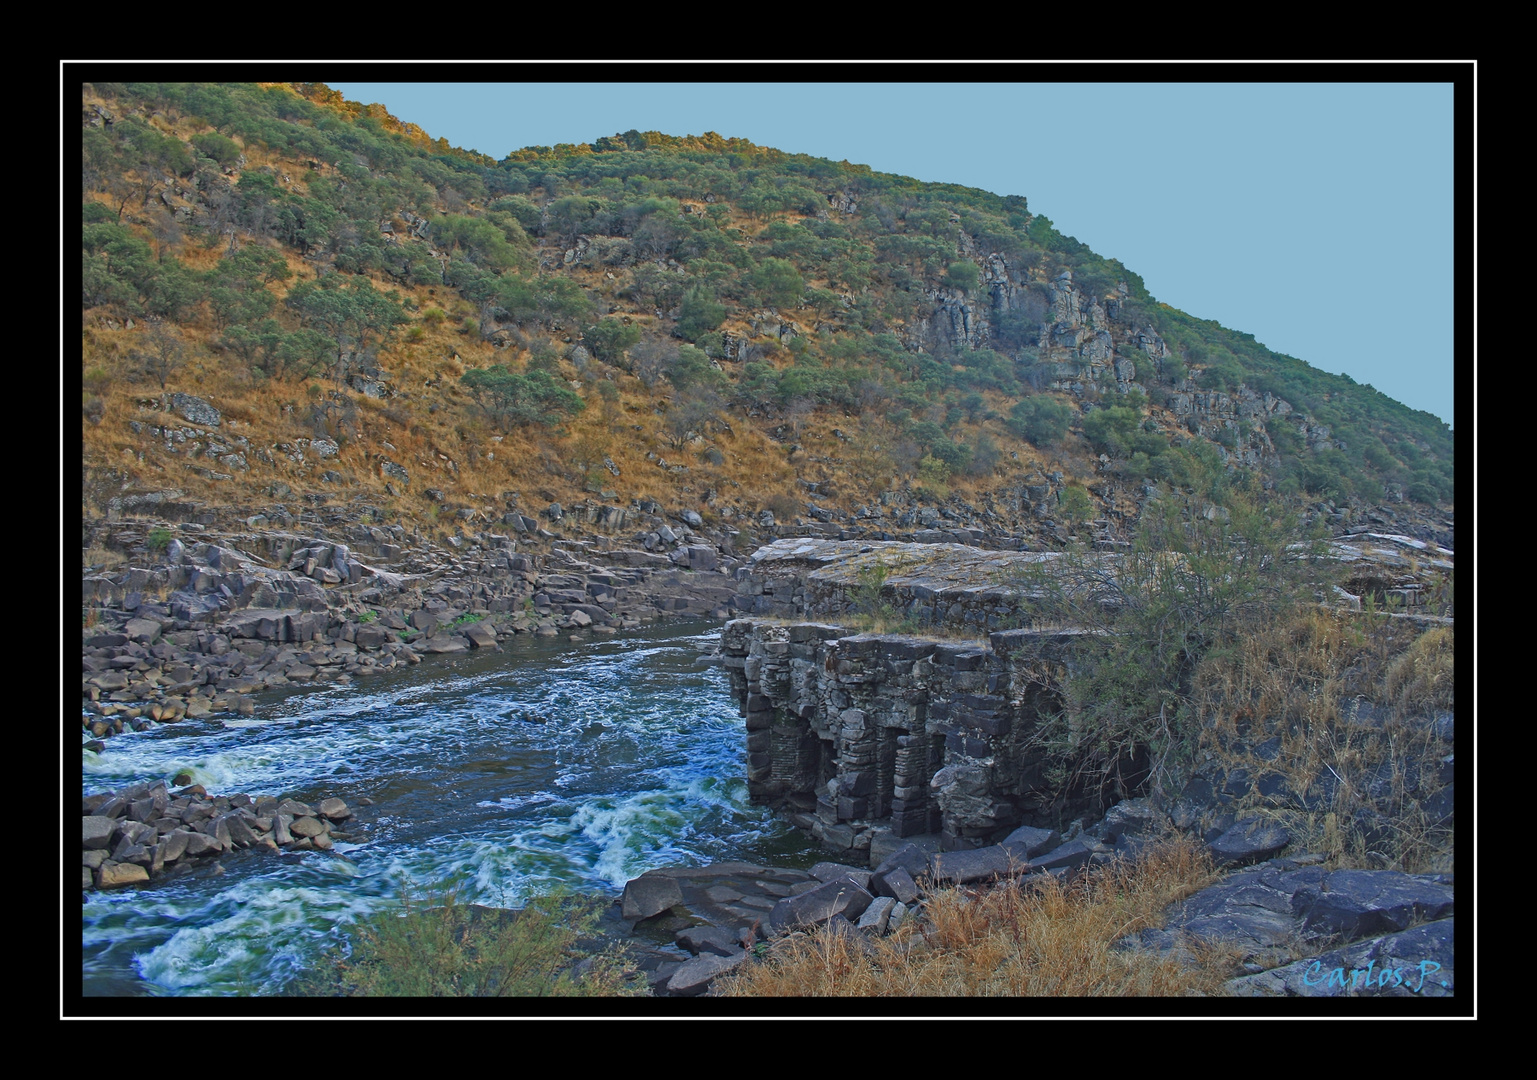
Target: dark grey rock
<point>1068,856</point>
<point>711,939</point>
<point>695,976</point>
<point>1419,962</point>
<point>980,864</point>
<point>649,895</point>
<point>831,871</point>
<point>97,832</point>
<point>1250,840</point>
<point>1033,840</point>
<point>1357,903</point>
<point>838,897</point>
<point>896,883</point>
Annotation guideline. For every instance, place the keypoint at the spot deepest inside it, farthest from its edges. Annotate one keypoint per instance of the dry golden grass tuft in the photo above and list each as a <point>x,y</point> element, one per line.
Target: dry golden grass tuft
<point>1048,940</point>
<point>1350,696</point>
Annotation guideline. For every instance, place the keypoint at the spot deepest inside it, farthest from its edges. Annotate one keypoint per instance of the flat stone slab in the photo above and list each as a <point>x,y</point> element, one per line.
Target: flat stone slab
<point>1355,903</point>
<point>695,976</point>
<point>979,864</point>
<point>1419,962</point>
<point>1268,909</point>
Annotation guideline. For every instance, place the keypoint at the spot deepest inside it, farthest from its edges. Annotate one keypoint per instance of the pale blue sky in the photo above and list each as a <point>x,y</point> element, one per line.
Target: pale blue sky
<point>1317,217</point>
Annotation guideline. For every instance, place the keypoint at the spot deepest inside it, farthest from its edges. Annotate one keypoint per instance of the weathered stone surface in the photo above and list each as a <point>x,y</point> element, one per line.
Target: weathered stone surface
<point>1419,962</point>
<point>694,976</point>
<point>307,827</point>
<point>480,634</point>
<point>1066,856</point>
<point>838,897</point>
<point>896,883</point>
<point>97,832</point>
<point>649,895</point>
<point>831,871</point>
<point>1250,840</point>
<point>194,410</point>
<point>876,916</point>
<point>1355,903</point>
<point>114,875</point>
<point>333,809</point>
<point>981,864</point>
<point>708,939</point>
<point>1034,841</point>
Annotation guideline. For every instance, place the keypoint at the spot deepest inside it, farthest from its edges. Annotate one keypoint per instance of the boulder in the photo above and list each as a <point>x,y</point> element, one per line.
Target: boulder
<point>649,895</point>
<point>114,875</point>
<point>480,634</point>
<point>694,976</point>
<point>333,809</point>
<point>194,410</point>
<point>1251,840</point>
<point>838,897</point>
<point>97,832</point>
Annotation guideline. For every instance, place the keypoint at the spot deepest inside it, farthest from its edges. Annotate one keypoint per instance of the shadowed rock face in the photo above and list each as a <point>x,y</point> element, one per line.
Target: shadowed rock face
<point>862,738</point>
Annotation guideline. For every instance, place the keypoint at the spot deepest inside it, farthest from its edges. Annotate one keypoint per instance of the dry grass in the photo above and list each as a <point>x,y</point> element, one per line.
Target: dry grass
<point>1048,940</point>
<point>1349,696</point>
<point>102,557</point>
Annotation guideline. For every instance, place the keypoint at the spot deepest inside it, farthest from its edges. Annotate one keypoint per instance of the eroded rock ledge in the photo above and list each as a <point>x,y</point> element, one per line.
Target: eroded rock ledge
<point>863,737</point>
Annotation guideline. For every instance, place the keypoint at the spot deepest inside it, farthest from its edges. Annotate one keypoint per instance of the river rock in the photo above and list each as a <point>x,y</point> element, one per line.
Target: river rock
<point>480,634</point>
<point>97,832</point>
<point>696,975</point>
<point>333,809</point>
<point>838,897</point>
<point>114,875</point>
<point>649,895</point>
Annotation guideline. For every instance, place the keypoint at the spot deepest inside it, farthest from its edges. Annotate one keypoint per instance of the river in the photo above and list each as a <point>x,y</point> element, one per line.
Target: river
<point>639,762</point>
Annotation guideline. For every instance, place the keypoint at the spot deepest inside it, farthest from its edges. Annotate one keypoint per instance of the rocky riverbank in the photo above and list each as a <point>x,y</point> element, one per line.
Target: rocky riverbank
<point>140,832</point>
<point>213,617</point>
<point>1295,927</point>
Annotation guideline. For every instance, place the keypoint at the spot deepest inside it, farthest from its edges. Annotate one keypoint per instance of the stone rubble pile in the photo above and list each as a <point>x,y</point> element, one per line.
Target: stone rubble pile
<point>139,832</point>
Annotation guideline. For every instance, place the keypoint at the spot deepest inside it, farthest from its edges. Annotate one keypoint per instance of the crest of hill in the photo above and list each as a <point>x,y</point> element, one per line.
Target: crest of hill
<point>693,319</point>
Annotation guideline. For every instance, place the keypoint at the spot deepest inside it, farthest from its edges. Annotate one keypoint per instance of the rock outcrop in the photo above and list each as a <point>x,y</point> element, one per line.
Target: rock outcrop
<point>135,834</point>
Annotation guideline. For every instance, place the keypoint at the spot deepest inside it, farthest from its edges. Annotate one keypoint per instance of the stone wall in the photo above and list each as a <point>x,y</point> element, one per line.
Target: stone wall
<point>860,737</point>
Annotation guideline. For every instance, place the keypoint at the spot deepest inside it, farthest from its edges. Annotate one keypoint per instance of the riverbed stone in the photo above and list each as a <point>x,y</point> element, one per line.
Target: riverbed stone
<point>333,809</point>
<point>113,875</point>
<point>649,895</point>
<point>695,976</point>
<point>307,827</point>
<point>838,897</point>
<point>97,832</point>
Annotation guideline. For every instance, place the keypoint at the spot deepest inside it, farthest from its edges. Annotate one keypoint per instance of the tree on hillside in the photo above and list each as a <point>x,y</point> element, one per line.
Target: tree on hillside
<point>516,400</point>
<point>346,313</point>
<point>778,283</point>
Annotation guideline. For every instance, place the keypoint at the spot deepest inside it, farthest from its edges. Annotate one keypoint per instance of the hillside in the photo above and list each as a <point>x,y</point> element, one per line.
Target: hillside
<point>413,333</point>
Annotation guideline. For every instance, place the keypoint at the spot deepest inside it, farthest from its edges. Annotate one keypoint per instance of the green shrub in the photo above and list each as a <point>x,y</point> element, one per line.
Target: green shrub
<point>1188,586</point>
<point>1042,420</point>
<point>1074,505</point>
<point>438,947</point>
<point>158,540</point>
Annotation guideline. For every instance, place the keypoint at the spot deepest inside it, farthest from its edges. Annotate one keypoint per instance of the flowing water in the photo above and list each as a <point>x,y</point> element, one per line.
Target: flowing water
<point>639,762</point>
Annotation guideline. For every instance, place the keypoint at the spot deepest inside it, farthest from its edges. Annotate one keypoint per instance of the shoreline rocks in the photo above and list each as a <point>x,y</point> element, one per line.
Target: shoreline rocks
<point>133,835</point>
